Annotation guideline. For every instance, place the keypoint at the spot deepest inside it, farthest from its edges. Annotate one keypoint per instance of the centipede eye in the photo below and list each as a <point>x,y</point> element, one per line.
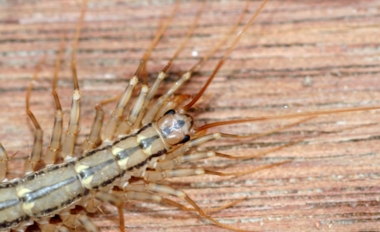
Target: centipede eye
<point>185,139</point>
<point>170,112</point>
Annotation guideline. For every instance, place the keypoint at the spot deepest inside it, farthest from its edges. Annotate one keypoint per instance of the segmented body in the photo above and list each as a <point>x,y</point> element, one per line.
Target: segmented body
<point>274,88</point>
<point>56,188</point>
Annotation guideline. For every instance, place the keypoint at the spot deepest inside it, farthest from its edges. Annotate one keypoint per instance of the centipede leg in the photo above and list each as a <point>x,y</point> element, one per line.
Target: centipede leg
<point>94,140</point>
<point>146,116</point>
<point>192,143</point>
<point>172,163</point>
<point>116,116</point>
<point>111,125</point>
<point>163,189</point>
<point>152,113</point>
<point>55,143</point>
<point>155,198</point>
<point>125,126</point>
<point>166,190</point>
<point>204,138</point>
<point>72,221</point>
<point>72,131</point>
<point>3,163</point>
<point>115,201</point>
<point>144,196</point>
<point>34,158</point>
<point>53,228</point>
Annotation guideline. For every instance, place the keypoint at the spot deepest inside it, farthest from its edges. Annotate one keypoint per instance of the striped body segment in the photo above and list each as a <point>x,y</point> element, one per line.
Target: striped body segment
<point>53,189</point>
<point>59,185</point>
<point>11,211</point>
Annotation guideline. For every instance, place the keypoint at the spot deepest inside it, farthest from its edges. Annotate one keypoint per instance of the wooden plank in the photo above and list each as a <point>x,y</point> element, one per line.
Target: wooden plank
<point>299,56</point>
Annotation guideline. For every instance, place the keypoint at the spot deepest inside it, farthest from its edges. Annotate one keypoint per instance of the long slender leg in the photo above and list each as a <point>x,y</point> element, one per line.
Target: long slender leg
<point>73,127</point>
<point>153,176</point>
<point>125,126</point>
<point>53,228</point>
<point>117,114</point>
<point>202,139</point>
<point>34,158</point>
<point>72,221</point>
<point>222,60</point>
<point>55,143</point>
<point>111,125</point>
<point>94,139</point>
<point>161,76</point>
<point>116,201</point>
<point>144,196</point>
<point>166,190</point>
<point>151,114</point>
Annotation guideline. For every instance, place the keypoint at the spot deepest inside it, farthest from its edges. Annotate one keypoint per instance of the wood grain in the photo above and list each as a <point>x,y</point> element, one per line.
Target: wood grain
<point>299,56</point>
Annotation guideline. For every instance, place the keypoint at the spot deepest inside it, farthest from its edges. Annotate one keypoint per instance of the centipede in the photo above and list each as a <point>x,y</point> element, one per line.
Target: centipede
<point>296,57</point>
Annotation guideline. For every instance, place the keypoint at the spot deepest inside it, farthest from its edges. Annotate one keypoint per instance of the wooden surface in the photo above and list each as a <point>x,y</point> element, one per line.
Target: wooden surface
<point>299,56</point>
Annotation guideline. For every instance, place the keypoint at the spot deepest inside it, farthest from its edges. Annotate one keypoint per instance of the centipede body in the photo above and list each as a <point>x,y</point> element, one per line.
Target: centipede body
<point>297,56</point>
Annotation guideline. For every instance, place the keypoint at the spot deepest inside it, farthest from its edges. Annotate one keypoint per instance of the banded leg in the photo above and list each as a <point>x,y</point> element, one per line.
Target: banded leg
<point>72,131</point>
<point>161,76</point>
<point>167,169</point>
<point>125,125</point>
<point>55,143</point>
<point>35,156</point>
<point>166,190</point>
<point>116,201</point>
<point>155,198</point>
<point>72,221</point>
<point>162,189</point>
<point>152,113</point>
<point>116,116</point>
<point>94,139</point>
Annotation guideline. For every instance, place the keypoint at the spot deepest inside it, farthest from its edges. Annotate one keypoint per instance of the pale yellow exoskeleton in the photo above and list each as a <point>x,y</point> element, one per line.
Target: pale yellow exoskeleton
<point>90,179</point>
<point>150,147</point>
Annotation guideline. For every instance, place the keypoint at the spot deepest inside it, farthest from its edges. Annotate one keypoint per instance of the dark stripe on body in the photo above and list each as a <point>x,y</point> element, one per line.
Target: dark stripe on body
<point>91,170</point>
<point>8,204</point>
<point>31,196</point>
<point>160,153</point>
<point>133,135</point>
<point>63,204</point>
<point>93,152</point>
<point>126,153</point>
<point>46,170</point>
<point>145,143</point>
<point>107,182</point>
<point>10,224</point>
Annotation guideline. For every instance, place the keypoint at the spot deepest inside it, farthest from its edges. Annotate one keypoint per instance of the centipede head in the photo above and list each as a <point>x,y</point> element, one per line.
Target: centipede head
<point>175,127</point>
